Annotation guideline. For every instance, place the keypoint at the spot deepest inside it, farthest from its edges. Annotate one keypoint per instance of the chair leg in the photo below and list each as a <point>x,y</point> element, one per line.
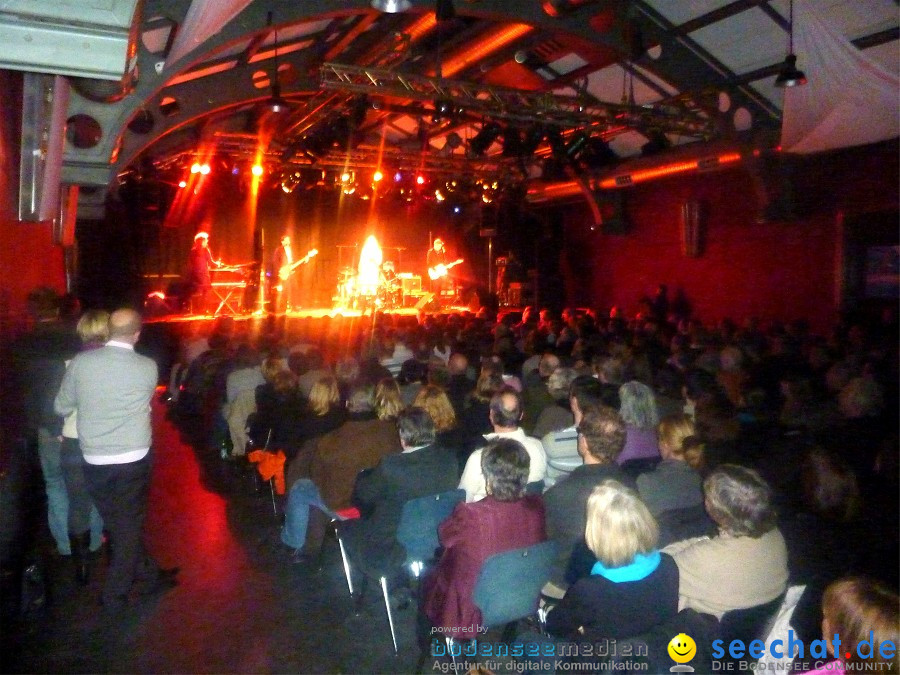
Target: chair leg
<point>272,491</point>
<point>450,642</point>
<point>387,606</point>
<point>344,560</point>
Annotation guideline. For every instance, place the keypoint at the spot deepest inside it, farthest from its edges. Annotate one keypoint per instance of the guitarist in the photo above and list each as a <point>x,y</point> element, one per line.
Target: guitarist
<point>436,259</point>
<point>287,295</point>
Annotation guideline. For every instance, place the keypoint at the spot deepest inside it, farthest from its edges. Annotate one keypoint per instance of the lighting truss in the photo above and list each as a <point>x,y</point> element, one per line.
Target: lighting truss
<point>680,115</point>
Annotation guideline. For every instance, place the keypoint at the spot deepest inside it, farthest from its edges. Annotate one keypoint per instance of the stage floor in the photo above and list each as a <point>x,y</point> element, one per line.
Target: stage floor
<point>306,313</point>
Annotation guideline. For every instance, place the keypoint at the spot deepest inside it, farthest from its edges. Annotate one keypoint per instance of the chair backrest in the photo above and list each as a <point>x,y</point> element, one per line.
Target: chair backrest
<point>535,487</point>
<point>751,623</point>
<point>419,520</point>
<point>509,584</point>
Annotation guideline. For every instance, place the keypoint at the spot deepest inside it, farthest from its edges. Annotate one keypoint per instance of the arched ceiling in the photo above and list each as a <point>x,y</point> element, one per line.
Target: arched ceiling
<point>358,85</point>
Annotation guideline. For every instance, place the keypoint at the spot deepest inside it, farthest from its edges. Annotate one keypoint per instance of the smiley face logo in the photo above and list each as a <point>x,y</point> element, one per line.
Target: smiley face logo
<point>682,648</point>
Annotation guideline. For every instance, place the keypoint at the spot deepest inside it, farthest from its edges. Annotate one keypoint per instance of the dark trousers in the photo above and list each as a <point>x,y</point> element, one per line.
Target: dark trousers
<point>79,499</point>
<point>120,492</point>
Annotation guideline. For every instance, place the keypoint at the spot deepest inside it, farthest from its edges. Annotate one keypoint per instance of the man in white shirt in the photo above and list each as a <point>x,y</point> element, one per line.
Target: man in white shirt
<point>505,414</point>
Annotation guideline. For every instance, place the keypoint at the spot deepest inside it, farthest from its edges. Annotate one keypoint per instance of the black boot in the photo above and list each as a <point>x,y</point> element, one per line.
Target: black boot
<point>80,544</point>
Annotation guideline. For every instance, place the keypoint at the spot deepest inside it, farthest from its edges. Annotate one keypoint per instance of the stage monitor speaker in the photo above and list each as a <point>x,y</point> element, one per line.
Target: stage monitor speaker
<point>424,300</point>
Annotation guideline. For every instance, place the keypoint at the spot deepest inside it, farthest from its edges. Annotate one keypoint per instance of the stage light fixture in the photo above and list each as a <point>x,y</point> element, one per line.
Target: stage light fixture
<point>346,177</point>
<point>204,169</point>
<point>391,6</point>
<point>257,170</point>
<point>484,138</point>
<point>377,176</point>
<point>195,167</point>
<point>398,177</point>
<point>182,184</point>
<point>420,180</point>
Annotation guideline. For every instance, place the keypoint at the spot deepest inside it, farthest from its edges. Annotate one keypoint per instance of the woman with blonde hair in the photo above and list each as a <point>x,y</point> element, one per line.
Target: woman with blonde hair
<point>865,615</point>
<point>321,413</point>
<point>632,585</point>
<point>675,482</point>
<point>434,400</point>
<point>84,522</point>
<point>388,402</point>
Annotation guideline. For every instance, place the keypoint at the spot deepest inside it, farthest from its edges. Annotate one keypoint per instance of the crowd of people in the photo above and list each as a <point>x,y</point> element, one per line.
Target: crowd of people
<point>679,466</point>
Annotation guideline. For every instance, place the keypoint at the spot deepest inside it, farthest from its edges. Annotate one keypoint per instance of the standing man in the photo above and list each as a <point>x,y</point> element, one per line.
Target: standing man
<point>288,297</point>
<point>111,388</point>
<point>199,279</point>
<point>436,259</point>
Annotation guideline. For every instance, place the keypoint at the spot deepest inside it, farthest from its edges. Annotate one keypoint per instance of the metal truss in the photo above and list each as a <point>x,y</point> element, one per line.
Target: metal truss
<point>678,116</point>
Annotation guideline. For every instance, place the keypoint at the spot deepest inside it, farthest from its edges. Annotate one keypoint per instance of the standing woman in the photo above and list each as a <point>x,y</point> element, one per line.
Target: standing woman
<point>85,524</point>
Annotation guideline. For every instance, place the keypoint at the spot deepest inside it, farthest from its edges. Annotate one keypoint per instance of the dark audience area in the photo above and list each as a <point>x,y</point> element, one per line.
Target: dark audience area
<point>697,476</point>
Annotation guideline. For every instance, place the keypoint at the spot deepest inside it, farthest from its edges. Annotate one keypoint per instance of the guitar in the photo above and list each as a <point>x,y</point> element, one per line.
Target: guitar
<point>440,270</point>
<point>285,271</point>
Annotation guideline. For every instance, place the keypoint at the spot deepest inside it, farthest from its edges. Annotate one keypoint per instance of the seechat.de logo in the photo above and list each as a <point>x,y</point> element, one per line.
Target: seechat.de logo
<point>682,649</point>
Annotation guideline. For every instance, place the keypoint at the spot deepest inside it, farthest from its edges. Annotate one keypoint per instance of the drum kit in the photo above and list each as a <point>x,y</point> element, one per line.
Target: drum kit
<point>353,295</point>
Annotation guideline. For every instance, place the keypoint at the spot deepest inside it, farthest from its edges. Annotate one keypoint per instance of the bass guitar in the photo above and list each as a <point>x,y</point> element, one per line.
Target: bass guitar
<point>286,270</point>
<point>441,269</point>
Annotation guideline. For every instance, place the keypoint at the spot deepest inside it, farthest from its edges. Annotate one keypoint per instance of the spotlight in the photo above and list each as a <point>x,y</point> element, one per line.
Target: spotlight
<point>182,184</point>
<point>346,177</point>
<point>420,180</point>
<point>391,6</point>
<point>195,167</point>
<point>235,170</point>
<point>204,169</point>
<point>398,177</point>
<point>377,176</point>
<point>484,138</point>
<point>457,209</point>
<point>257,170</point>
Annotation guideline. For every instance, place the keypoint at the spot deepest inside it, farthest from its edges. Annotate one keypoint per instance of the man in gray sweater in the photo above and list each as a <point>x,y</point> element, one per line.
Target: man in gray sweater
<point>111,389</point>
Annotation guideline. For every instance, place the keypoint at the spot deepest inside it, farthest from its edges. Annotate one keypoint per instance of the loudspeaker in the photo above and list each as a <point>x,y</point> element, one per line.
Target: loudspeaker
<point>692,228</point>
<point>614,220</point>
<point>775,183</point>
<point>424,300</point>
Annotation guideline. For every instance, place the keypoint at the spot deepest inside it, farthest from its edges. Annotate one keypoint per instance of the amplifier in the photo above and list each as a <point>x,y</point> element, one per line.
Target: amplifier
<point>411,284</point>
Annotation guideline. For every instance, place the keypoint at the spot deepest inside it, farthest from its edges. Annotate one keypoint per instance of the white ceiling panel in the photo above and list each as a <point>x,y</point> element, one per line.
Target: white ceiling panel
<point>679,12</point>
<point>886,55</point>
<point>568,63</point>
<point>856,18</point>
<point>745,41</point>
<point>628,144</point>
<point>606,85</point>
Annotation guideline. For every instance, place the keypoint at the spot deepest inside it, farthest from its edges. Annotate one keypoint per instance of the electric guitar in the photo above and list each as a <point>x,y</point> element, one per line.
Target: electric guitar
<point>440,270</point>
<point>285,271</point>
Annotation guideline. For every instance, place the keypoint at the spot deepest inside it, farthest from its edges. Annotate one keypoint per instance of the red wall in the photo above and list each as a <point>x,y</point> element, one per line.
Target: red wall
<point>775,270</point>
<point>28,257</point>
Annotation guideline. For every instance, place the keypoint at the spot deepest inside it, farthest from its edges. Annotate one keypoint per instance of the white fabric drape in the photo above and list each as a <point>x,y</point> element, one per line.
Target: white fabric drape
<point>849,99</point>
<point>204,19</point>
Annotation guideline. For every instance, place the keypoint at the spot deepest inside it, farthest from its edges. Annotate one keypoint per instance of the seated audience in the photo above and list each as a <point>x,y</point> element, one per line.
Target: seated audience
<point>505,519</point>
<point>505,415</point>
<point>601,437</point>
<point>422,468</point>
<point>632,586</point>
<point>322,413</point>
<point>434,400</point>
<point>746,564</point>
<point>558,415</point>
<point>864,614</point>
<point>675,482</point>
<point>638,410</point>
